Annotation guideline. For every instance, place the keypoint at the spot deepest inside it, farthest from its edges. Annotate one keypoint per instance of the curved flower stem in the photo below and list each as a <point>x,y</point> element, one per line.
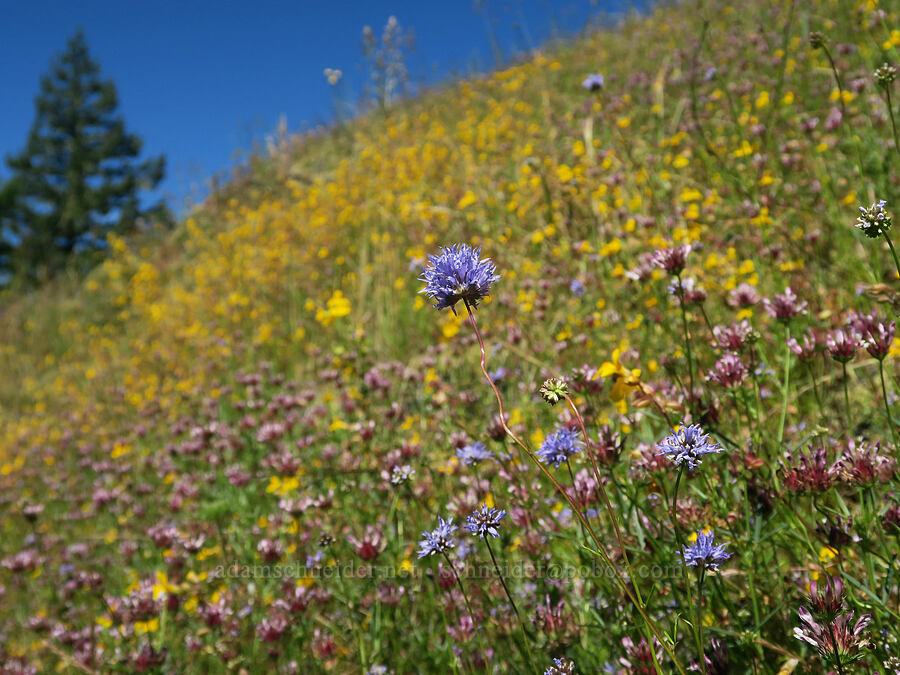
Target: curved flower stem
<point>887,407</point>
<point>601,551</point>
<point>602,490</point>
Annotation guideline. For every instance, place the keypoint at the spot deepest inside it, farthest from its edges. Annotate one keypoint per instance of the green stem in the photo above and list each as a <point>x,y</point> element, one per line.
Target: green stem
<point>847,400</point>
<point>603,494</point>
<point>513,604</point>
<point>674,507</point>
<point>890,107</point>
<point>687,343</point>
<point>502,580</point>
<point>844,119</point>
<point>893,252</point>
<point>785,385</point>
<point>887,407</point>
<point>673,510</point>
<point>702,655</point>
<point>815,387</point>
<point>837,78</point>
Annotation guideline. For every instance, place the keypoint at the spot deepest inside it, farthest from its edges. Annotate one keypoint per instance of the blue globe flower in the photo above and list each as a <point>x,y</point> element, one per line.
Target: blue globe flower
<point>687,445</point>
<point>705,552</point>
<point>559,446</point>
<point>485,521</point>
<point>458,273</point>
<point>439,540</point>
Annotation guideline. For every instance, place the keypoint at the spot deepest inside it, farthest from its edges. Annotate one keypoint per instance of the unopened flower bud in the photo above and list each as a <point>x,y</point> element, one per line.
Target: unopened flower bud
<point>885,74</point>
<point>554,390</point>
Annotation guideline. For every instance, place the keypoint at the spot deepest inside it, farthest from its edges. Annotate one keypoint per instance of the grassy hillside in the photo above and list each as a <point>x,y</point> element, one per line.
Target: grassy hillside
<point>201,444</point>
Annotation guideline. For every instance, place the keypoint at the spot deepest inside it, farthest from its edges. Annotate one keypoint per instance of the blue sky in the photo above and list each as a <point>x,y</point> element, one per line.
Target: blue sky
<point>200,81</point>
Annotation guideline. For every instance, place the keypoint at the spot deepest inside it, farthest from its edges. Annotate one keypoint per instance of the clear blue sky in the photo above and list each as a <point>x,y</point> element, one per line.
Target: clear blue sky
<point>200,81</point>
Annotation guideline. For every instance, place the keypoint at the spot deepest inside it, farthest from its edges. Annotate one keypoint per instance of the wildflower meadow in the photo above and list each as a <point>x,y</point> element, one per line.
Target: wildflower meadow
<point>587,365</point>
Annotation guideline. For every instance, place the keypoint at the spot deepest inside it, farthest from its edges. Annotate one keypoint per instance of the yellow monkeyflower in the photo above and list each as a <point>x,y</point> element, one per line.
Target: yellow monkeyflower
<point>624,381</point>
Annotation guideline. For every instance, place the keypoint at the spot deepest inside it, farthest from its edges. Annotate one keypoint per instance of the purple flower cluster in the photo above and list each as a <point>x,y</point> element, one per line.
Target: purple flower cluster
<point>784,306</point>
<point>672,259</point>
<point>593,82</point>
<point>729,371</point>
<point>485,521</point>
<point>687,445</point>
<point>842,344</point>
<point>559,446</point>
<point>704,552</point>
<point>458,273</point>
<point>439,540</point>
<point>473,453</point>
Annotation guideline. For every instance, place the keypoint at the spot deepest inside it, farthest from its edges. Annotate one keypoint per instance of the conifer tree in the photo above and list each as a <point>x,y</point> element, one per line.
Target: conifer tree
<point>78,177</point>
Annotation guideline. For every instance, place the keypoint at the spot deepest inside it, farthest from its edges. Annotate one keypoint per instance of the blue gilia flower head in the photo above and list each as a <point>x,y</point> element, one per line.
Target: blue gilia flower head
<point>439,540</point>
<point>593,82</point>
<point>458,273</point>
<point>561,667</point>
<point>874,221</point>
<point>704,552</point>
<point>473,453</point>
<point>559,446</point>
<point>687,445</point>
<point>484,520</point>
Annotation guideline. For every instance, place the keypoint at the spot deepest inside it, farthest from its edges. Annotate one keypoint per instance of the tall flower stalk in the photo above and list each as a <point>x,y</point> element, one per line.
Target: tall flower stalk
<point>484,522</point>
<point>885,75</point>
<point>459,274</point>
<point>703,554</point>
<point>440,541</point>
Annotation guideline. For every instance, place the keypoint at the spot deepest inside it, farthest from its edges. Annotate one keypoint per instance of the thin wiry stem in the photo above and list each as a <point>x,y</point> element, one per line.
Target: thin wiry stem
<point>512,603</point>
<point>687,343</point>
<point>837,79</point>
<point>602,490</point>
<point>562,491</point>
<point>468,605</point>
<point>785,385</point>
<point>700,574</point>
<point>893,252</point>
<point>890,107</point>
<point>887,406</point>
